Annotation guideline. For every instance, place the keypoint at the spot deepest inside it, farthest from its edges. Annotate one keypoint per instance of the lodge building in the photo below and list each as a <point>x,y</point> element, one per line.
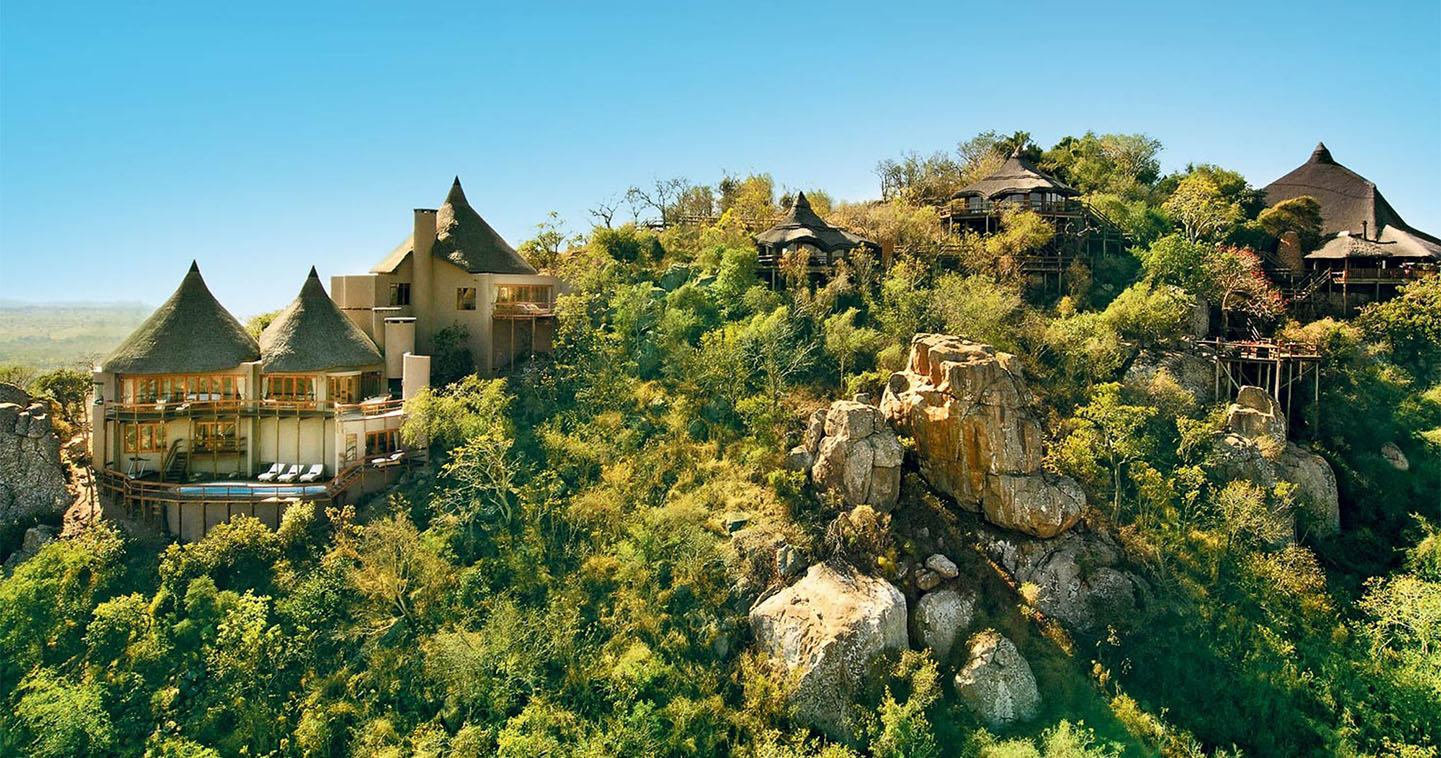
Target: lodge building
<point>194,421</point>
<point>454,271</point>
<point>1367,250</point>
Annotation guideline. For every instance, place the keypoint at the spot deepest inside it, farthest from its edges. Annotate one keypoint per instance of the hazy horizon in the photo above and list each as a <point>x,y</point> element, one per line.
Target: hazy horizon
<point>299,136</point>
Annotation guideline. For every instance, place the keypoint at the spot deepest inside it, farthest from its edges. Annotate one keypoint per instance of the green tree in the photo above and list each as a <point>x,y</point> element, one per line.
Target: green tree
<point>844,339</point>
<point>67,387</point>
<point>1409,327</point>
<point>1301,215</point>
<point>1203,212</point>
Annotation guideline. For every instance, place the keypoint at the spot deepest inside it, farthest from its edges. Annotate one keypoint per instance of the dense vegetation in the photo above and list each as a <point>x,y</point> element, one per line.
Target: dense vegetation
<point>561,580</point>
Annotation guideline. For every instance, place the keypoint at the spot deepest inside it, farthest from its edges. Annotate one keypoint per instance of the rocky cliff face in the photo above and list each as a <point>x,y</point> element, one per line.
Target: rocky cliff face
<point>824,631</point>
<point>977,437</point>
<point>32,479</point>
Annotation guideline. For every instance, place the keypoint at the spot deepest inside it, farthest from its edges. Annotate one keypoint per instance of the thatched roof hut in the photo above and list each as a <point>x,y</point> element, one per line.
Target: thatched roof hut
<point>1016,176</point>
<point>190,333</point>
<point>802,226</point>
<point>464,238</point>
<point>1350,205</point>
<point>312,335</point>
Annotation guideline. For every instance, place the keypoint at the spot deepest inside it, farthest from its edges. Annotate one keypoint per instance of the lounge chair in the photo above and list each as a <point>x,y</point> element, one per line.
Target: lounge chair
<point>136,470</point>
<point>313,474</point>
<point>290,474</point>
<point>276,469</point>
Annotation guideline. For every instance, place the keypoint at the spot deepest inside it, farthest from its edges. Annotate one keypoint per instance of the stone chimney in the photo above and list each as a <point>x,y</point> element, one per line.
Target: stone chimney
<point>422,295</point>
<point>1290,252</point>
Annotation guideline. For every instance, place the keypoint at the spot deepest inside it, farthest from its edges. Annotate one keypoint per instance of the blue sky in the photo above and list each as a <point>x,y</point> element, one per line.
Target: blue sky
<point>263,138</point>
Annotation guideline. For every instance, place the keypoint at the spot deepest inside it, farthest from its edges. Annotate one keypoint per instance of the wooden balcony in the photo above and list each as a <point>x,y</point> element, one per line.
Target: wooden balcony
<point>961,209</point>
<point>163,409</point>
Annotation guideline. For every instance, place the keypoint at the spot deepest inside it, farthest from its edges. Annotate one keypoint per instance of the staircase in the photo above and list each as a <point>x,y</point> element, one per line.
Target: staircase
<point>177,463</point>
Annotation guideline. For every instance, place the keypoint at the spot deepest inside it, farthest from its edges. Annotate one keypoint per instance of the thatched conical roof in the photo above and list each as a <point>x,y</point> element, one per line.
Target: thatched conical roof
<point>1350,203</point>
<point>312,335</point>
<point>1015,175</point>
<point>190,333</point>
<point>804,226</point>
<point>465,239</point>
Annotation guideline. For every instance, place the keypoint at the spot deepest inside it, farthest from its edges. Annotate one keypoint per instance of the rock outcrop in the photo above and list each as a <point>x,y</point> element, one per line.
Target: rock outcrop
<point>36,537</point>
<point>32,479</point>
<point>850,451</point>
<point>1393,455</point>
<point>996,683</point>
<point>977,436</point>
<point>1078,576</point>
<point>939,618</point>
<point>1255,449</point>
<point>1193,373</point>
<point>824,631</point>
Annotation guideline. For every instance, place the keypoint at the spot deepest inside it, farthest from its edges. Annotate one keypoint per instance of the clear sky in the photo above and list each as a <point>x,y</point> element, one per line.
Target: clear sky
<point>263,138</point>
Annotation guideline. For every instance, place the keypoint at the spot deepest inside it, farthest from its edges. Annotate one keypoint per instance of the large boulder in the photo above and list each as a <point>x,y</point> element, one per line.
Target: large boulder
<point>996,683</point>
<point>1079,577</point>
<point>1193,373</point>
<point>1315,482</point>
<point>1393,455</point>
<point>35,538</point>
<point>32,479</point>
<point>1255,449</point>
<point>978,437</point>
<point>824,631</point>
<point>939,618</point>
<point>855,454</point>
<point>1257,416</point>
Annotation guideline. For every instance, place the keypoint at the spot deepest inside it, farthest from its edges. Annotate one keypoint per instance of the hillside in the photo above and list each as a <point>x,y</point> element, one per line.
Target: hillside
<point>933,502</point>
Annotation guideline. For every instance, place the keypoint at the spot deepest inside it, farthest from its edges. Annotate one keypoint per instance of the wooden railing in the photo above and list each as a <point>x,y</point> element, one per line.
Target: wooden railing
<point>963,207</point>
<point>529,309</point>
<point>238,491</point>
<point>115,410</point>
<point>1353,275</point>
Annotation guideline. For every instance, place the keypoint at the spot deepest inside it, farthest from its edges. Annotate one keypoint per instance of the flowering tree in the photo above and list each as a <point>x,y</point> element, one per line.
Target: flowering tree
<point>1238,283</point>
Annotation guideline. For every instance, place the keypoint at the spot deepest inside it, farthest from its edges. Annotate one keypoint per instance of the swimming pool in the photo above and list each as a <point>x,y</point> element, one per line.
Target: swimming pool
<point>242,490</point>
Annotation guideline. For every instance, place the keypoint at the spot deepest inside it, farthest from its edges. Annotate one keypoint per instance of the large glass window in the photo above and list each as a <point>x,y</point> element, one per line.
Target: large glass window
<point>523,293</point>
<point>382,442</point>
<point>183,389</point>
<point>290,388</point>
<point>145,438</point>
<point>345,389</point>
<point>217,436</point>
<point>400,293</point>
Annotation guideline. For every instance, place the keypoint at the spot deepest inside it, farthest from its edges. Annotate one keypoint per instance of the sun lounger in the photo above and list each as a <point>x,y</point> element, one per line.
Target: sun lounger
<point>290,475</point>
<point>276,469</point>
<point>313,474</point>
<point>387,460</point>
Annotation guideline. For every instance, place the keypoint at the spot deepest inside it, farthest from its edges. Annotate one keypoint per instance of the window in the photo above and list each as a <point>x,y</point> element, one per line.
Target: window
<point>400,293</point>
<point>217,436</point>
<point>290,388</point>
<point>145,438</point>
<point>976,203</point>
<point>523,293</point>
<point>382,442</point>
<point>350,448</point>
<point>465,299</point>
<point>182,389</point>
<point>345,389</point>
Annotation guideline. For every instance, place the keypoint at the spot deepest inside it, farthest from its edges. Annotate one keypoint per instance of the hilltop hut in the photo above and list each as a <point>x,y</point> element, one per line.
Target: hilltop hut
<point>803,230</point>
<point>1370,250</point>
<point>1018,183</point>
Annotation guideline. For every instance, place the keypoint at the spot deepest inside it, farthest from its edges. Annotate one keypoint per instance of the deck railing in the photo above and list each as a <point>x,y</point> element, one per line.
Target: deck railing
<point>240,491</point>
<point>525,309</point>
<point>232,407</point>
<point>961,207</point>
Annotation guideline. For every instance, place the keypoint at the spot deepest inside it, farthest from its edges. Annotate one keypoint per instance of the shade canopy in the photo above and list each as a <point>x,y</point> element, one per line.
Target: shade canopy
<point>190,333</point>
<point>312,335</point>
<point>464,238</point>
<point>1016,175</point>
<point>802,225</point>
